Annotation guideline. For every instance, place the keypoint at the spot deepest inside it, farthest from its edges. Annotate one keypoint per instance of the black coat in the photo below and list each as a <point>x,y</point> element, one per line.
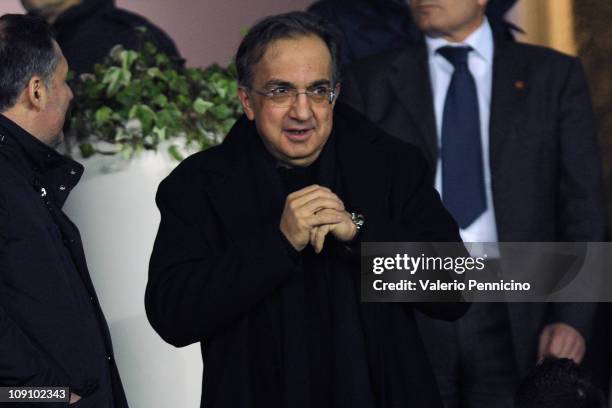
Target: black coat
<point>544,158</point>
<point>217,262</point>
<point>52,330</point>
<point>87,32</point>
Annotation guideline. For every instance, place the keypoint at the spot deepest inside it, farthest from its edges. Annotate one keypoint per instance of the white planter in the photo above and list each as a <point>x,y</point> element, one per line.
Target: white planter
<point>116,214</point>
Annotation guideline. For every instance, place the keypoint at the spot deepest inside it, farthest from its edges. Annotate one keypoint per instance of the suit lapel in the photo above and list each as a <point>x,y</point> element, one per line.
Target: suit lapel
<point>415,94</point>
<point>509,91</point>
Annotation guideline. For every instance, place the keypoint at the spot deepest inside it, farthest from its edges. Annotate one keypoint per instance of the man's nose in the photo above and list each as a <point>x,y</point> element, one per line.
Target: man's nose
<point>301,108</point>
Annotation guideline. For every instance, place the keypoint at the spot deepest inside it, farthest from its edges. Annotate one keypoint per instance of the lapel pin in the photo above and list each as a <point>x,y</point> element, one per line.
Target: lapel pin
<point>519,84</point>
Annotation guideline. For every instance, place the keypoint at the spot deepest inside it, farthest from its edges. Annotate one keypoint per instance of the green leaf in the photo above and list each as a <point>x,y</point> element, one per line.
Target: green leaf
<point>160,100</point>
<point>127,58</point>
<point>162,59</point>
<point>176,155</point>
<point>111,77</point>
<point>116,77</point>
<point>155,72</point>
<point>145,114</point>
<point>103,115</point>
<point>201,106</point>
<point>87,150</point>
<point>160,133</point>
<point>221,111</point>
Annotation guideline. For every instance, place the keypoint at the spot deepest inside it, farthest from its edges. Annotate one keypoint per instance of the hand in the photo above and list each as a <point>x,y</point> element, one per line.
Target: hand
<point>562,341</point>
<point>74,398</point>
<point>304,211</point>
<point>343,231</point>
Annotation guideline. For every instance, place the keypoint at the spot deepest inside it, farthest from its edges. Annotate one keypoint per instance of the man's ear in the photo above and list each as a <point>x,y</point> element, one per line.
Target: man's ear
<point>246,102</point>
<point>36,93</point>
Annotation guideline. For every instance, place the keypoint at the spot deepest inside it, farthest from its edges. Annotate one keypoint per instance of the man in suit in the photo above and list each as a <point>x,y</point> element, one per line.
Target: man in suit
<point>257,253</point>
<point>52,330</point>
<point>509,129</point>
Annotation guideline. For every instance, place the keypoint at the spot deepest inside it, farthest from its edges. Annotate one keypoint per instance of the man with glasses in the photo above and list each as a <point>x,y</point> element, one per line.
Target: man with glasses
<point>257,254</point>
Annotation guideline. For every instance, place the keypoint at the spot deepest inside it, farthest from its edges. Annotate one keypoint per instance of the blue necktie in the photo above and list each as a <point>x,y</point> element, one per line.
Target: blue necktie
<point>463,187</point>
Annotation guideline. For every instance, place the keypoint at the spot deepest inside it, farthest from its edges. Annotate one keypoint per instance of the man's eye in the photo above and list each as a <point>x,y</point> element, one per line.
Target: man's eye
<point>320,90</point>
<point>279,91</point>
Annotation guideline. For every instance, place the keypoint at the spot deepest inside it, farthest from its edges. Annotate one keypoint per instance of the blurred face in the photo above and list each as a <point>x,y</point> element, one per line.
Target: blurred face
<point>40,5</point>
<point>450,19</point>
<point>58,99</point>
<point>48,9</point>
<point>294,134</point>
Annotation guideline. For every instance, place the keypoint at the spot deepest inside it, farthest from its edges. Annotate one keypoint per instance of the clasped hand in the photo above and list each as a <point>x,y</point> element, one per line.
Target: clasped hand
<point>313,212</point>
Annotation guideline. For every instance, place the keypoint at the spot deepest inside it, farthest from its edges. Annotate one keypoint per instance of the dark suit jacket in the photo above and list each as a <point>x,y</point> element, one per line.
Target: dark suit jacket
<point>544,158</point>
<point>219,260</point>
<point>52,330</point>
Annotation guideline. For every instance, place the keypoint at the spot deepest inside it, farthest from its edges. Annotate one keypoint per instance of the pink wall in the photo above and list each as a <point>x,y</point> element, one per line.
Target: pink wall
<point>205,31</point>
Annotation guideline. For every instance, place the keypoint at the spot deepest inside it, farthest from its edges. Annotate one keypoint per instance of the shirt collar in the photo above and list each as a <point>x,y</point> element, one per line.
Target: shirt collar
<point>481,41</point>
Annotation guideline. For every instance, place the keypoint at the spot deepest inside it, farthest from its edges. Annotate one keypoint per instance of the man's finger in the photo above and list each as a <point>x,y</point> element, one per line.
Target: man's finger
<point>319,204</point>
<point>544,341</point>
<point>313,236</point>
<point>579,354</point>
<point>569,345</point>
<point>557,343</point>
<point>320,235</point>
<point>322,218</point>
<point>296,195</point>
<point>320,192</point>
<point>576,346</point>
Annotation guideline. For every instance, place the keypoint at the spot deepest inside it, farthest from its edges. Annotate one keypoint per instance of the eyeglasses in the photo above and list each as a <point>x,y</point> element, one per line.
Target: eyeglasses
<point>285,97</point>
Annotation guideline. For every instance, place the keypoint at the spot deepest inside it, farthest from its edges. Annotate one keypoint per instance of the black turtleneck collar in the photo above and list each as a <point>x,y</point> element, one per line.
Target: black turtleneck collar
<point>40,164</point>
<point>321,171</point>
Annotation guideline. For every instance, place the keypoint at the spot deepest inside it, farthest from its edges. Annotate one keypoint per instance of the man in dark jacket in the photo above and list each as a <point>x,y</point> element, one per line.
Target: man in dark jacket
<point>52,330</point>
<point>257,254</point>
<point>509,129</point>
<point>86,30</point>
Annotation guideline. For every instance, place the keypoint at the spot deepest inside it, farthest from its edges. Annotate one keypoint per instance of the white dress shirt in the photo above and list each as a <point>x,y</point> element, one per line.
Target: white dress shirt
<point>480,63</point>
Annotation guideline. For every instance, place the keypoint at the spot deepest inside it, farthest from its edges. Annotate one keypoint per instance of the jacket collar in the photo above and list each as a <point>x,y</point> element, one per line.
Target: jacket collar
<point>41,165</point>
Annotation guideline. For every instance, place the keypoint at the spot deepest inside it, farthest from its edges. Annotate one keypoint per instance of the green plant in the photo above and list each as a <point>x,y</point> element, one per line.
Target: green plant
<point>135,100</point>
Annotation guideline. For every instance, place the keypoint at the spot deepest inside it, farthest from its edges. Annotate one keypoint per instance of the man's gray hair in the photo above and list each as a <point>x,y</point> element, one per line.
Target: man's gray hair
<point>288,25</point>
<point>26,50</point>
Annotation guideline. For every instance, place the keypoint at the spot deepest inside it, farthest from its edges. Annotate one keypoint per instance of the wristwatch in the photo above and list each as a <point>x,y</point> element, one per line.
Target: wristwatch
<point>359,221</point>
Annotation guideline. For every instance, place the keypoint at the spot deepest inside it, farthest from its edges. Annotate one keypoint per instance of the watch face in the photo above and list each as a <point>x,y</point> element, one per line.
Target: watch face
<point>358,220</point>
